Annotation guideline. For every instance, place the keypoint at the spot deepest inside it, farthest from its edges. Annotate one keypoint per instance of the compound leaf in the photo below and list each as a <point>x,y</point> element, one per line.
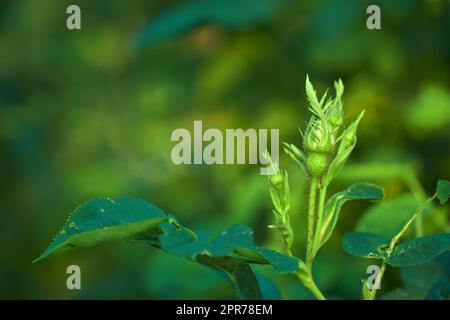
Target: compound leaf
<point>103,219</point>
<point>419,250</point>
<point>365,245</point>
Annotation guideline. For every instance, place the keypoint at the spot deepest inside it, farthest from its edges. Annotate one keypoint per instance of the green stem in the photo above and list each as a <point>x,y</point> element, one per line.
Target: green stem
<point>394,242</point>
<point>311,210</point>
<point>309,283</point>
<point>307,280</point>
<point>373,291</point>
<point>419,193</point>
<point>322,196</point>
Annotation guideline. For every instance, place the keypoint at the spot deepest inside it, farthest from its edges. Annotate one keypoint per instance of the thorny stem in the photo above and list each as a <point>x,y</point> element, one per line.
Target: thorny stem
<point>322,195</point>
<point>311,211</point>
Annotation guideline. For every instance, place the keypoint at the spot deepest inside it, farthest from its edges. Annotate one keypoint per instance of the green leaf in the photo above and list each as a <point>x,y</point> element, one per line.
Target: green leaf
<point>365,245</point>
<point>358,191</point>
<point>389,216</point>
<point>104,219</point>
<point>443,191</point>
<point>427,281</point>
<point>247,285</point>
<point>381,171</point>
<point>189,15</point>
<point>419,250</point>
<point>312,96</point>
<point>422,276</point>
<point>231,248</point>
<point>269,290</point>
<point>345,149</point>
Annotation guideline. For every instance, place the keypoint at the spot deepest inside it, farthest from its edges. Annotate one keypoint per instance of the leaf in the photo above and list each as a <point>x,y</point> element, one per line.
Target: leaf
<point>419,250</point>
<point>377,171</point>
<point>443,191</point>
<point>247,285</point>
<point>427,281</point>
<point>312,97</point>
<point>358,191</point>
<point>183,18</point>
<point>269,290</point>
<point>422,276</point>
<point>365,245</point>
<point>104,219</point>
<point>440,290</point>
<point>344,150</point>
<point>231,248</point>
<point>389,216</point>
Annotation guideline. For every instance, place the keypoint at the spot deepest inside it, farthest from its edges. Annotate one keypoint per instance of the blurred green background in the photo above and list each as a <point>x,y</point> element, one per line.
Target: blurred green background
<point>90,112</point>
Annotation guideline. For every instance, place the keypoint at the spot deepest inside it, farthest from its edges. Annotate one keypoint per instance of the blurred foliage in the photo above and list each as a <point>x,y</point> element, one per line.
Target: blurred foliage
<point>89,113</point>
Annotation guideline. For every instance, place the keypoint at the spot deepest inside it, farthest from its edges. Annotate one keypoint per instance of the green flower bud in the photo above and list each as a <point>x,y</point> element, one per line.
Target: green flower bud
<point>317,163</point>
<point>281,200</point>
<point>318,137</point>
<point>349,136</point>
<point>277,180</point>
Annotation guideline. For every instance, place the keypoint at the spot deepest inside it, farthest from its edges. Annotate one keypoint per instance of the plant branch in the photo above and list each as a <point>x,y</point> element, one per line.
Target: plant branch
<point>393,243</point>
<point>322,197</point>
<point>373,291</point>
<point>308,281</point>
<point>311,214</point>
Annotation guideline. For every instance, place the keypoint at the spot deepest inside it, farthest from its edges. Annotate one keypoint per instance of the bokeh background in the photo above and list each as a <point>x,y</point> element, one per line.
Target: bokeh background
<point>90,112</point>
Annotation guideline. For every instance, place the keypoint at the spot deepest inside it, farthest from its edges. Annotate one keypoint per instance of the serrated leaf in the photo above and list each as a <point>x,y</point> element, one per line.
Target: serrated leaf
<point>232,247</point>
<point>104,219</point>
<point>358,191</point>
<point>443,191</point>
<point>365,245</point>
<point>389,216</point>
<point>419,250</point>
<point>312,96</point>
